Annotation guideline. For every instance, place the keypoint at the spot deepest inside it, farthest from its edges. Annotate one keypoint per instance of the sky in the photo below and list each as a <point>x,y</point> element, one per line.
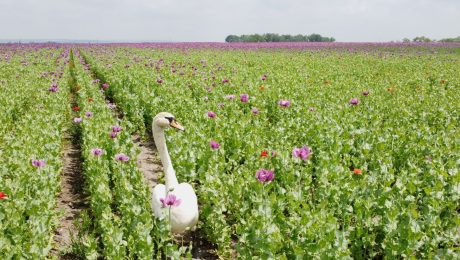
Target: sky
<point>213,20</point>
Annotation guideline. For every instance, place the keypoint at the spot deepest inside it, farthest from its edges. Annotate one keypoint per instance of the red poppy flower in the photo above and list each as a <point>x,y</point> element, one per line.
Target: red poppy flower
<point>264,154</point>
<point>3,196</point>
<point>357,171</point>
<point>90,100</point>
<point>76,108</point>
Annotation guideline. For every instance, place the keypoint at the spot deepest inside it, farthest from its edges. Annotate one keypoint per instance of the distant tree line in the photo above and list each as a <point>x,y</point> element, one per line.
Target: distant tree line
<point>274,37</point>
<point>426,39</point>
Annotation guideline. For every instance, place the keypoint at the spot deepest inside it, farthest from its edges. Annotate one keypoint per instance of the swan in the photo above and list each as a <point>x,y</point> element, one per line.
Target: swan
<point>185,215</point>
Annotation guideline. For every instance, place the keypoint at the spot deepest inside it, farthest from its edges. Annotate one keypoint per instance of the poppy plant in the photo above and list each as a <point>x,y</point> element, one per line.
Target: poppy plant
<point>264,154</point>
<point>284,103</point>
<point>244,98</point>
<point>354,101</point>
<point>76,108</point>
<point>97,152</point>
<point>357,171</point>
<point>211,114</point>
<point>303,153</point>
<point>121,157</point>
<point>214,145</point>
<point>38,163</point>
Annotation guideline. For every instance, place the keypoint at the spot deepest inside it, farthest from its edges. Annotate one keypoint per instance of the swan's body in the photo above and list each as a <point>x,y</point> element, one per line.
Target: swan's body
<point>185,215</point>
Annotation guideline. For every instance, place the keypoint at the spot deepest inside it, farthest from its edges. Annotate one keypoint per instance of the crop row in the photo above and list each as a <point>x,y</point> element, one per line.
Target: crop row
<point>363,147</point>
<point>120,199</point>
<point>33,94</point>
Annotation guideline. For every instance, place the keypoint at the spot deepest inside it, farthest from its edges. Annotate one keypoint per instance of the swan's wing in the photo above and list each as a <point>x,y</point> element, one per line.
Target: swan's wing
<point>158,192</point>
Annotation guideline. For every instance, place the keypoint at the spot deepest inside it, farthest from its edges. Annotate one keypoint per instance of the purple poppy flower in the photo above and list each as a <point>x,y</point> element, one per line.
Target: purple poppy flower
<point>89,114</point>
<point>230,97</point>
<point>77,120</point>
<point>354,101</point>
<point>264,77</point>
<point>170,200</point>
<point>244,98</point>
<point>159,81</point>
<point>255,111</point>
<point>105,86</point>
<point>38,163</point>
<point>303,153</point>
<point>96,81</point>
<point>284,103</point>
<point>116,128</point>
<point>121,157</point>
<point>264,175</point>
<point>53,89</point>
<point>211,114</point>
<point>365,93</point>
<point>225,81</point>
<point>97,151</point>
<point>214,145</point>
<point>111,105</point>
<point>113,135</point>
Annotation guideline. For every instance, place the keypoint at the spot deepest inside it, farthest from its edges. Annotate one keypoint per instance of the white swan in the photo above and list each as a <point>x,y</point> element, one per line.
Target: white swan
<point>184,216</point>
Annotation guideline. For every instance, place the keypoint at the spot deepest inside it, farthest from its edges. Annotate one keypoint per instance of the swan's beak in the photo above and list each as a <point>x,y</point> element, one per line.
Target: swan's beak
<point>176,125</point>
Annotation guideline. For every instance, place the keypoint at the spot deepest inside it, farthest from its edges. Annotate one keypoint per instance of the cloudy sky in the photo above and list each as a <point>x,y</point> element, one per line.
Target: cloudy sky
<point>213,20</point>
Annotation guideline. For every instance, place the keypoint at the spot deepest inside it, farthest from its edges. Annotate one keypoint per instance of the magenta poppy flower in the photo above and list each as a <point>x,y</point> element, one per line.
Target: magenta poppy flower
<point>284,103</point>
<point>211,114</point>
<point>53,89</point>
<point>225,81</point>
<point>264,77</point>
<point>159,81</point>
<point>264,175</point>
<point>77,120</point>
<point>38,163</point>
<point>244,98</point>
<point>121,157</point>
<point>97,151</point>
<point>96,81</point>
<point>365,93</point>
<point>111,106</point>
<point>214,145</point>
<point>303,153</point>
<point>354,101</point>
<point>230,97</point>
<point>255,111</point>
<point>105,86</point>
<point>89,114</point>
<point>113,135</point>
<point>116,128</point>
<point>170,200</point>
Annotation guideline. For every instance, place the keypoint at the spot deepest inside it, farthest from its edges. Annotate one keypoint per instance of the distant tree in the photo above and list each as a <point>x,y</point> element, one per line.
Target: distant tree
<point>232,38</point>
<point>456,39</point>
<point>406,40</point>
<point>421,39</point>
<point>274,37</point>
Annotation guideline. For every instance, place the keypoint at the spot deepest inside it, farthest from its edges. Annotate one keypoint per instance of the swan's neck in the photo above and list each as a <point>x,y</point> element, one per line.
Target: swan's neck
<point>160,142</point>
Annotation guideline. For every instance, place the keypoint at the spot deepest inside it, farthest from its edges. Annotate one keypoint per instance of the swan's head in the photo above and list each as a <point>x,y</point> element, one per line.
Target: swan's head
<point>165,120</point>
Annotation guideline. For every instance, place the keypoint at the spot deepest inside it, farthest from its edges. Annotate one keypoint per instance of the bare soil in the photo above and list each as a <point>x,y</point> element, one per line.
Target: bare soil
<point>71,199</point>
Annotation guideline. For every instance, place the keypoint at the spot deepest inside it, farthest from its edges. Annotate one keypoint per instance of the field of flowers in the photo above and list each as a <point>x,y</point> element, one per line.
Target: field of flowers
<point>295,151</point>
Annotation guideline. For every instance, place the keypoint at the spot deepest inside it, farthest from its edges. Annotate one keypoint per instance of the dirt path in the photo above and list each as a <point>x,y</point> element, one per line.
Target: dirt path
<point>70,199</point>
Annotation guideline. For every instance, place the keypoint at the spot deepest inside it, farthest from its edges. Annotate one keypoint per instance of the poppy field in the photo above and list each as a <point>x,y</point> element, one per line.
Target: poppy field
<point>313,151</point>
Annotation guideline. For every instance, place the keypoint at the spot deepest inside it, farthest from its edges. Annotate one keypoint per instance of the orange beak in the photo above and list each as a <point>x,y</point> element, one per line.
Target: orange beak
<point>176,125</point>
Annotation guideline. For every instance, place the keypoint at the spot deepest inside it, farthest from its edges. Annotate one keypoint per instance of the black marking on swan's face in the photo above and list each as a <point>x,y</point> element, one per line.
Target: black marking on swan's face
<point>170,118</point>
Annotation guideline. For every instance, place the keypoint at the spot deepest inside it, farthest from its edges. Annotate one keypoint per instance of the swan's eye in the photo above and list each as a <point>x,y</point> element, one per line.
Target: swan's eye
<point>170,119</point>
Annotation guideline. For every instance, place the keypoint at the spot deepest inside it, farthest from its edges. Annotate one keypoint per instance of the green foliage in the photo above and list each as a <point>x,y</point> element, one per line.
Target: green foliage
<point>403,136</point>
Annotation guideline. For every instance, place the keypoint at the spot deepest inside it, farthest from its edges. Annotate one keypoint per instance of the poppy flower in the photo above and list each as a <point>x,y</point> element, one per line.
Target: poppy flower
<point>170,200</point>
<point>3,196</point>
<point>116,128</point>
<point>38,163</point>
<point>113,135</point>
<point>261,87</point>
<point>244,98</point>
<point>121,157</point>
<point>264,154</point>
<point>89,114</point>
<point>77,120</point>
<point>211,114</point>
<point>97,151</point>
<point>76,108</point>
<point>214,145</point>
<point>365,93</point>
<point>354,101</point>
<point>90,100</point>
<point>105,85</point>
<point>303,153</point>
<point>255,111</point>
<point>284,103</point>
<point>357,171</point>
<point>264,175</point>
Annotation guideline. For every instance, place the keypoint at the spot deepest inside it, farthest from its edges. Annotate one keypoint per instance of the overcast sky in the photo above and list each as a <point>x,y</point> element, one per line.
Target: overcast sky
<point>213,20</point>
